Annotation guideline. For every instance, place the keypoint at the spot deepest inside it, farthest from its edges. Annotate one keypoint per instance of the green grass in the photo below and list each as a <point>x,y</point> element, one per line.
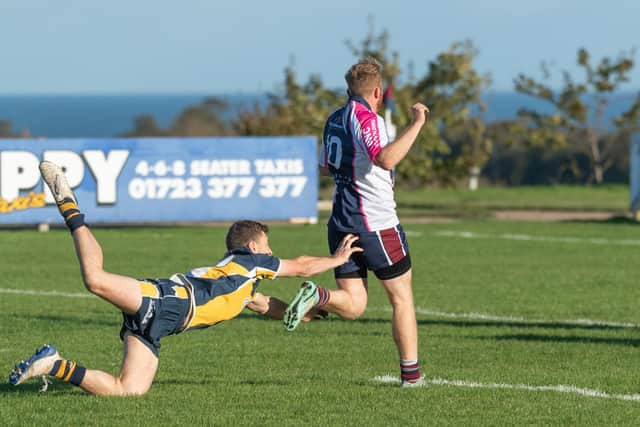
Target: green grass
<point>562,197</point>
<point>480,203</point>
<point>249,371</point>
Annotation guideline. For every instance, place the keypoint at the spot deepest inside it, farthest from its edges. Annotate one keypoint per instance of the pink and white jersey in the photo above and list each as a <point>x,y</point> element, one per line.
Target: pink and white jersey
<point>363,199</point>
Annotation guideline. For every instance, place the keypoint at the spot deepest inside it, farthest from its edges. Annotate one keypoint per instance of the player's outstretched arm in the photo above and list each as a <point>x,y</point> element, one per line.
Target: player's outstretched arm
<point>268,306</point>
<point>305,266</point>
<point>393,153</point>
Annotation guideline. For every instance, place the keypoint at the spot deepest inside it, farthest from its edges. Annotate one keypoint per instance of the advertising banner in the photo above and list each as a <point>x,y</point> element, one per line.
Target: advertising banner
<point>634,179</point>
<point>157,180</point>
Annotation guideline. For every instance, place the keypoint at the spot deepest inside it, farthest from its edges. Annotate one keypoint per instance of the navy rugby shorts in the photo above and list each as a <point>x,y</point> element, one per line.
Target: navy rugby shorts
<point>386,253</point>
<point>165,305</point>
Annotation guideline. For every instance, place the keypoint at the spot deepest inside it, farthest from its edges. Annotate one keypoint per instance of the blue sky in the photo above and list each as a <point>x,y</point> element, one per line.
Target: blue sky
<point>209,46</point>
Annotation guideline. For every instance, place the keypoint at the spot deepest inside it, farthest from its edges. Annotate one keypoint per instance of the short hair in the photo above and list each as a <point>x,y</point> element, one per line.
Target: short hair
<point>242,232</point>
<point>363,77</point>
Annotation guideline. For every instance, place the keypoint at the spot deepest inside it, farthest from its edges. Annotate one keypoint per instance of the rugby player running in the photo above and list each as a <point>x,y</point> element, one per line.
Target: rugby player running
<point>356,151</point>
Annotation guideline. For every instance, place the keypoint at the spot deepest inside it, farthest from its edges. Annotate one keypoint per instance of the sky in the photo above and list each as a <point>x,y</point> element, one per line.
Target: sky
<point>243,46</point>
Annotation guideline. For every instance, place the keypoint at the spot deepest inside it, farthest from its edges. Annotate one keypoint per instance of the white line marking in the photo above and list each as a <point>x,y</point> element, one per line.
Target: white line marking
<point>528,237</point>
<point>45,293</point>
<point>400,240</point>
<point>384,250</point>
<point>525,387</point>
<point>419,310</point>
<point>517,319</point>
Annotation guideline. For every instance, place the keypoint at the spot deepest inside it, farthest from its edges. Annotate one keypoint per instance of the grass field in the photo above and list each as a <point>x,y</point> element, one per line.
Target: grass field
<point>507,313</point>
<point>463,203</point>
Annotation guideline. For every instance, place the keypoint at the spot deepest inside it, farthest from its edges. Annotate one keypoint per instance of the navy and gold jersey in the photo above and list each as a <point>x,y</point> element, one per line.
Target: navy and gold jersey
<point>221,292</point>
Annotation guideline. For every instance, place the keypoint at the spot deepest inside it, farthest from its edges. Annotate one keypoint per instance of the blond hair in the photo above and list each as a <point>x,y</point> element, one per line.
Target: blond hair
<point>363,77</point>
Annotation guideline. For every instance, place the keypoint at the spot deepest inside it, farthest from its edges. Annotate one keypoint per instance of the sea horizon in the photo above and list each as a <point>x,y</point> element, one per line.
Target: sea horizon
<point>111,115</point>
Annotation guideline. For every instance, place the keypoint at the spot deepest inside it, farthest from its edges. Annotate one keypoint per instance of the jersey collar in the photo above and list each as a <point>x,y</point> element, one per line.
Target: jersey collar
<point>361,100</point>
<point>238,251</point>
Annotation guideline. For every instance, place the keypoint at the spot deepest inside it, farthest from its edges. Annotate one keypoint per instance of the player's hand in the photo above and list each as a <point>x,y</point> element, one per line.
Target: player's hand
<point>345,249</point>
<point>420,113</point>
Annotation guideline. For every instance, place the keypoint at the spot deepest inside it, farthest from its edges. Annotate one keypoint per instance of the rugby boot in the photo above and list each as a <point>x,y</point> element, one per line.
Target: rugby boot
<point>420,382</point>
<point>54,177</point>
<point>39,364</point>
<point>306,298</point>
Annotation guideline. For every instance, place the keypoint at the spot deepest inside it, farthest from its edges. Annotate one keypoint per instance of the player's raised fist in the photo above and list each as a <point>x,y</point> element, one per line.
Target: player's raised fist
<point>420,112</point>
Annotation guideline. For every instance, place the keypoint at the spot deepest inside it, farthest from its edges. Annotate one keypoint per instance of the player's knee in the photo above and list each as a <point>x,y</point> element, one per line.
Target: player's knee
<point>355,311</point>
<point>351,315</point>
<point>136,392</point>
<point>130,388</point>
<point>401,300</point>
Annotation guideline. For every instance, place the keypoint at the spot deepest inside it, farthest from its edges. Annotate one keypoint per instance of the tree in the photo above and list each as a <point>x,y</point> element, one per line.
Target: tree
<point>453,143</point>
<point>579,110</point>
<point>454,88</point>
<point>145,125</point>
<point>204,119</point>
<point>300,110</point>
<point>6,131</point>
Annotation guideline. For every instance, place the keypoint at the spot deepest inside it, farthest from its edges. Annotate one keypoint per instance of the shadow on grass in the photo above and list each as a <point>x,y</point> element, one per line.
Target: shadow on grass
<point>213,381</point>
<point>254,316</point>
<point>32,387</point>
<point>555,338</point>
<point>468,323</point>
<point>618,219</point>
<point>28,388</point>
<point>503,324</point>
<point>264,381</point>
<point>75,321</point>
<point>190,382</point>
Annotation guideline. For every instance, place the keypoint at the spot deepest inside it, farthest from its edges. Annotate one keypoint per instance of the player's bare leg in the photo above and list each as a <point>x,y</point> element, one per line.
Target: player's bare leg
<point>404,326</point>
<point>274,308</point>
<point>350,299</point>
<point>121,291</point>
<point>139,366</point>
